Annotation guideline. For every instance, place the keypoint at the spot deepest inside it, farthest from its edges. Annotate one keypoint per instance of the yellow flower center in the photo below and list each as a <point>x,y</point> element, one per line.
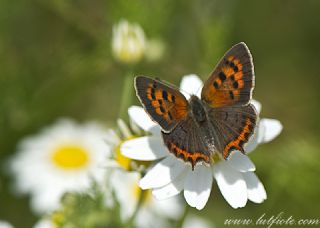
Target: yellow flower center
<point>70,157</point>
<point>146,197</point>
<point>123,161</point>
<point>57,218</point>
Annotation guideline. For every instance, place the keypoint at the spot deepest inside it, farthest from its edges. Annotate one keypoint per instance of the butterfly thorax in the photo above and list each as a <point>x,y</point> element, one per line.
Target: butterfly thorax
<point>197,109</point>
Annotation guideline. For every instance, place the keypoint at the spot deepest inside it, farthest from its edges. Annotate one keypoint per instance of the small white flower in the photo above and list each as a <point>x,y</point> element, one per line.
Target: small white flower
<point>63,157</point>
<point>5,224</point>
<point>235,177</point>
<point>128,42</point>
<point>152,213</point>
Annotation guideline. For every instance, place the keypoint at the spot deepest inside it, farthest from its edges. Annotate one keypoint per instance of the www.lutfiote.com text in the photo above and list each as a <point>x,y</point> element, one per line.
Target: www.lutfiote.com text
<point>273,220</point>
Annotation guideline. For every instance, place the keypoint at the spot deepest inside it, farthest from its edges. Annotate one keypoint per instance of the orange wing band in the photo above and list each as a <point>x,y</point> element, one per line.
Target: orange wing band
<point>237,144</point>
<point>193,158</point>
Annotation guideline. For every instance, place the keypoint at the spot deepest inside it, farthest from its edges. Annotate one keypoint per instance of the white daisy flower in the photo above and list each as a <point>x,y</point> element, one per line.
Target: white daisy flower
<point>235,177</point>
<point>63,157</point>
<point>128,42</point>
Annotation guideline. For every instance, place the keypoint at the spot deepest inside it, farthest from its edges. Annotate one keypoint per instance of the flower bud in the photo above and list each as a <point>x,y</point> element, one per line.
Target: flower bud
<point>128,42</point>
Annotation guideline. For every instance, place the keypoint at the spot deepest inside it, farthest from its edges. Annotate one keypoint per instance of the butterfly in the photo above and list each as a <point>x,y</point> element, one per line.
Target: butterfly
<point>221,121</point>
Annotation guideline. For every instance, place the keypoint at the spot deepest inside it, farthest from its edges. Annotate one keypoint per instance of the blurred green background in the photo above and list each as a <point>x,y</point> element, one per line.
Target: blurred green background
<point>56,61</point>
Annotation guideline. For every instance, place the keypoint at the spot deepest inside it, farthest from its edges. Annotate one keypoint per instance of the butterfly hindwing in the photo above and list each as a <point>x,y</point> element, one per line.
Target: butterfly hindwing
<point>234,126</point>
<point>186,142</point>
<point>232,81</point>
<point>165,105</point>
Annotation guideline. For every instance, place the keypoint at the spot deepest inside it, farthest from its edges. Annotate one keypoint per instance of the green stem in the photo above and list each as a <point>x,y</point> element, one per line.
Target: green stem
<point>183,217</point>
<point>139,204</point>
<point>126,97</point>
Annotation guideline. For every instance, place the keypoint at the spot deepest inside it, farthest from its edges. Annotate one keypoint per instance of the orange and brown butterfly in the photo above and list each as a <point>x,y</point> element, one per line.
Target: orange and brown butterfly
<point>222,120</point>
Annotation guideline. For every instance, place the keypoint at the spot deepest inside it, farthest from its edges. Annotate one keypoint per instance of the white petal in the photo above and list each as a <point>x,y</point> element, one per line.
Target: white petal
<point>162,173</point>
<point>171,189</point>
<point>170,208</point>
<point>124,129</point>
<point>46,201</point>
<point>231,184</point>
<point>123,183</point>
<point>257,105</point>
<point>256,191</point>
<point>240,162</point>
<point>147,148</point>
<point>191,85</point>
<point>147,218</point>
<point>197,186</point>
<point>253,141</point>
<point>143,120</point>
<point>43,223</point>
<point>196,222</point>
<point>134,127</point>
<point>268,130</point>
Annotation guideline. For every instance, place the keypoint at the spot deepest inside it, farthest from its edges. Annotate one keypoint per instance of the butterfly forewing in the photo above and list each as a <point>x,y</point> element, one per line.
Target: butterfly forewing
<point>233,126</point>
<point>165,105</point>
<point>232,81</point>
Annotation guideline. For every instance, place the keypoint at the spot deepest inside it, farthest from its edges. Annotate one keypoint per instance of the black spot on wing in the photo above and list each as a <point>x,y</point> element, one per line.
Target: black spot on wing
<point>165,95</point>
<point>173,98</point>
<point>222,76</point>
<point>235,85</point>
<point>153,96</point>
<point>235,68</point>
<point>215,84</point>
<point>231,95</point>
